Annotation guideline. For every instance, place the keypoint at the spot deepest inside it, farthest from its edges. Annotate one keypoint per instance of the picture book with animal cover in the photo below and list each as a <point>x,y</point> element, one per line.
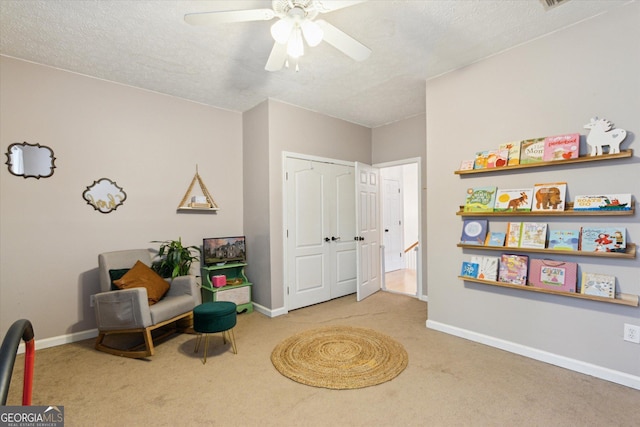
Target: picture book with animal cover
<point>561,147</point>
<point>495,238</point>
<point>531,151</point>
<point>603,239</point>
<point>604,202</point>
<point>487,267</point>
<point>497,158</point>
<point>513,200</point>
<point>549,197</point>
<point>480,199</point>
<point>474,231</point>
<point>513,269</point>
<point>514,233</point>
<point>564,240</point>
<point>480,161</point>
<point>514,152</point>
<point>469,269</point>
<point>534,235</point>
<point>599,285</point>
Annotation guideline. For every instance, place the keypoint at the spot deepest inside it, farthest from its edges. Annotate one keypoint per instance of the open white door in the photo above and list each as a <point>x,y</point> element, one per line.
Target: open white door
<point>368,227</point>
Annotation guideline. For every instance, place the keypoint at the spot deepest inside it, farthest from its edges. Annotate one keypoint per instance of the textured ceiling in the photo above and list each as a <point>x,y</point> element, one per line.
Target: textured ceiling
<point>147,44</point>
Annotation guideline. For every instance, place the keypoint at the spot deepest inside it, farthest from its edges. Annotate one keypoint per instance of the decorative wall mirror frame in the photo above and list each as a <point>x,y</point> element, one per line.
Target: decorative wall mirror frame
<point>30,160</point>
<point>104,195</point>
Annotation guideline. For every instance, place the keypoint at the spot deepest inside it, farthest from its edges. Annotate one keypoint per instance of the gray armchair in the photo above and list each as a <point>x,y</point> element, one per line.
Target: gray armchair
<point>127,311</point>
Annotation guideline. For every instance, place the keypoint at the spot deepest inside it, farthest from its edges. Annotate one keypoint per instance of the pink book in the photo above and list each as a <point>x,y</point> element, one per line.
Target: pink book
<point>513,269</point>
<point>561,147</point>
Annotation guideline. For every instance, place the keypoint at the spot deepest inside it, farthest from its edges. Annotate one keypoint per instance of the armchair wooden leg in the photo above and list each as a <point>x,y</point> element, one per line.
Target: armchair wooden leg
<point>148,340</point>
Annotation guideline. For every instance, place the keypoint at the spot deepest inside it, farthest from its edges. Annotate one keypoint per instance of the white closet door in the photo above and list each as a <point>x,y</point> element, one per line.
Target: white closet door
<point>368,226</point>
<point>343,229</point>
<point>307,227</point>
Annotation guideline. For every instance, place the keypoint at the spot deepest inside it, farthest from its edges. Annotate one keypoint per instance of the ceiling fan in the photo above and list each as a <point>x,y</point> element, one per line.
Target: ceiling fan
<point>296,24</point>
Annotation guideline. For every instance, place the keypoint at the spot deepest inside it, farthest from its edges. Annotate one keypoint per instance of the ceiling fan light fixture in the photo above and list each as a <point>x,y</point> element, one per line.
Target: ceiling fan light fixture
<point>312,32</point>
<point>295,47</point>
<point>281,30</point>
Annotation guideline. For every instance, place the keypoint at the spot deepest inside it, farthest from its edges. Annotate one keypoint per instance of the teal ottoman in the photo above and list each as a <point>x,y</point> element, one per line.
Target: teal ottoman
<point>212,317</point>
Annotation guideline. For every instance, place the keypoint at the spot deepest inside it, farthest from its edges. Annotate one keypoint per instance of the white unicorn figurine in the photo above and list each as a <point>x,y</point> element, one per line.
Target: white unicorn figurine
<point>601,134</point>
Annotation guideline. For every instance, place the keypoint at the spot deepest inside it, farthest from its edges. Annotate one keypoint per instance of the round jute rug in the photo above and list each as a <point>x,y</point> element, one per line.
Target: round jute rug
<point>340,357</point>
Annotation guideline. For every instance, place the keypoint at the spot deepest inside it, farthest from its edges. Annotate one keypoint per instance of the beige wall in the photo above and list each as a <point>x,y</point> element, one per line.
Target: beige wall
<point>279,128</point>
<point>550,86</point>
<point>256,201</point>
<point>148,143</point>
<point>293,129</point>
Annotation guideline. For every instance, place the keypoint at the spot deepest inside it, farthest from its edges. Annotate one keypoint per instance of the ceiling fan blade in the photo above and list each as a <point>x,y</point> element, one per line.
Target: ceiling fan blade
<point>343,42</point>
<point>277,57</point>
<point>331,5</point>
<point>208,18</point>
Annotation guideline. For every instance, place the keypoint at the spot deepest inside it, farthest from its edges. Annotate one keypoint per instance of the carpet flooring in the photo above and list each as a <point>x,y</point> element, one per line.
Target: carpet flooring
<point>449,381</point>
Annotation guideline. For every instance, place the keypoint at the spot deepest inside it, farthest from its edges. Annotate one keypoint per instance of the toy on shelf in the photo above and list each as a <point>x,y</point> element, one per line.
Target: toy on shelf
<point>601,134</point>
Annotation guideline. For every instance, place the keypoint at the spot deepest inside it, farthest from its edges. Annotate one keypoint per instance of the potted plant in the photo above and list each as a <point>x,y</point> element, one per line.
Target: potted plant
<point>174,259</point>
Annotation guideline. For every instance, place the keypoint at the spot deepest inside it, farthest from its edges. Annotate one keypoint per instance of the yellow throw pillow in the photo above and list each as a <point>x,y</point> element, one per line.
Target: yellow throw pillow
<point>141,276</point>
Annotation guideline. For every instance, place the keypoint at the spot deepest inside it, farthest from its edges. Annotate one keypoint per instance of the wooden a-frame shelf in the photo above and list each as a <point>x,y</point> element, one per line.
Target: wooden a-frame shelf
<point>630,252</point>
<point>621,155</point>
<point>624,299</point>
<point>569,211</point>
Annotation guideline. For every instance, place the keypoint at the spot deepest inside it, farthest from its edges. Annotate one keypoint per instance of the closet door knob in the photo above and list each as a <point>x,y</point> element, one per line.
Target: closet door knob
<point>334,238</point>
<point>326,239</point>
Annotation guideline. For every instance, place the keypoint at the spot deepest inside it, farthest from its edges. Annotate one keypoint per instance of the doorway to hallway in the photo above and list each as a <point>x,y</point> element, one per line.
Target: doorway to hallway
<point>400,211</point>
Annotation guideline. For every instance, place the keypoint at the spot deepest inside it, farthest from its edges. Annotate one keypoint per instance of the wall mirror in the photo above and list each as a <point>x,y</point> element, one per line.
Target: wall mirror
<point>30,160</point>
<point>104,195</point>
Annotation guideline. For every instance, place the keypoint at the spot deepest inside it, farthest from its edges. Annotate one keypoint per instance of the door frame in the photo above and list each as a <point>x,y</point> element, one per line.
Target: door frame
<point>286,155</point>
<point>418,162</point>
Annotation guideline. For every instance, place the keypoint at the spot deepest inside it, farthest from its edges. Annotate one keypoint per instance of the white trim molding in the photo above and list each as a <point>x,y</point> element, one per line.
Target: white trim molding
<point>61,339</point>
<point>269,312</point>
<point>543,356</point>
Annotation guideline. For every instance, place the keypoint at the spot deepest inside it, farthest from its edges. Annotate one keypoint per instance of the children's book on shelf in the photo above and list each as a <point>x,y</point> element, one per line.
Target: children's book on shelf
<point>487,267</point>
<point>534,235</point>
<point>531,151</point>
<point>513,269</point>
<point>514,152</point>
<point>514,233</point>
<point>481,160</point>
<point>567,240</point>
<point>603,202</point>
<point>549,197</point>
<point>561,147</point>
<point>480,199</point>
<point>603,239</point>
<point>497,158</point>
<point>495,238</point>
<point>513,199</point>
<point>469,269</point>
<point>474,231</point>
<point>466,165</point>
<point>599,285</point>
<point>553,275</point>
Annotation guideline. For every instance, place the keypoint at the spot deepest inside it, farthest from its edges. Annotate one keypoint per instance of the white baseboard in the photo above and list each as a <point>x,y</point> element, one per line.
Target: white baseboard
<point>268,312</point>
<point>543,356</point>
<point>92,333</point>
<point>62,339</point>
